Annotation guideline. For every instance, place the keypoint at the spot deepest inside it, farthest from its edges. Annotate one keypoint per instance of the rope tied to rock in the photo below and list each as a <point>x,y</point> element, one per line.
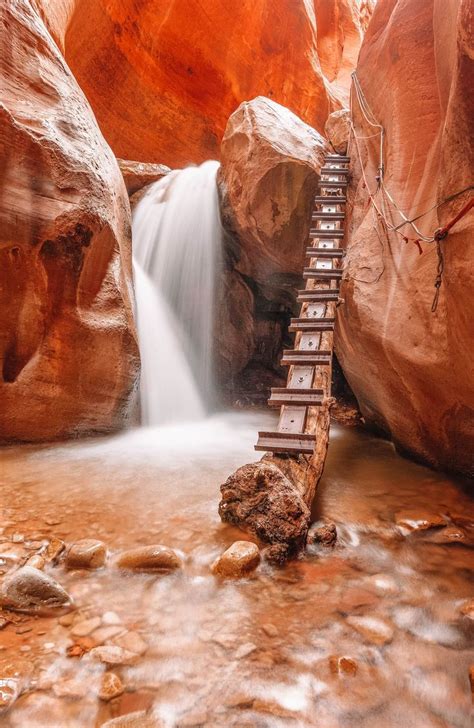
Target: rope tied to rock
<point>381,190</point>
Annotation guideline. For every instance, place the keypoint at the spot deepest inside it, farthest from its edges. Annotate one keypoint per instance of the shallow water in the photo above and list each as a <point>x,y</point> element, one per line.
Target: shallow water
<point>254,652</point>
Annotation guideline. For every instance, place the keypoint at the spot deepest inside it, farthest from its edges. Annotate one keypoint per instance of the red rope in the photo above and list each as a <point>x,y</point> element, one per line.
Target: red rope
<point>442,232</point>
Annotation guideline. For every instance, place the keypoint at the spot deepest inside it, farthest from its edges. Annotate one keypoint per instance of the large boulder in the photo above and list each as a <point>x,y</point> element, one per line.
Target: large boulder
<point>337,129</point>
<point>411,369</point>
<point>269,173</point>
<point>152,69</point>
<point>68,353</point>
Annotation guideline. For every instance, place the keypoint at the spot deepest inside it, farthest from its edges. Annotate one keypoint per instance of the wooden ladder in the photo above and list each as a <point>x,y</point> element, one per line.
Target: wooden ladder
<point>309,376</point>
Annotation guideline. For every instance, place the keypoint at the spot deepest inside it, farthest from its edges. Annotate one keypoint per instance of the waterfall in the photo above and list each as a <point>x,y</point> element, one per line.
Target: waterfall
<point>176,232</point>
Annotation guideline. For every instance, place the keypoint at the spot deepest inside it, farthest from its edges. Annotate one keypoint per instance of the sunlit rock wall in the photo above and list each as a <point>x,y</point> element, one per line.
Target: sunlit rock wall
<point>164,77</point>
<point>411,369</point>
<point>68,355</point>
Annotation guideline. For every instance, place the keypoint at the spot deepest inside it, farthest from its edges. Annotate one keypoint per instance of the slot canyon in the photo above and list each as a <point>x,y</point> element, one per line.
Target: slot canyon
<point>236,382</point>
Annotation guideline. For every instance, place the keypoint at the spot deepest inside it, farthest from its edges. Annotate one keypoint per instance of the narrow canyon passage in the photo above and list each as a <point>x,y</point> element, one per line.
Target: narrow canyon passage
<point>261,651</point>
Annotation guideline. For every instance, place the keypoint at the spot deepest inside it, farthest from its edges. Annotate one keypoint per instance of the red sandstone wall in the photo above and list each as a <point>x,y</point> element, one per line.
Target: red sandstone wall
<point>411,369</point>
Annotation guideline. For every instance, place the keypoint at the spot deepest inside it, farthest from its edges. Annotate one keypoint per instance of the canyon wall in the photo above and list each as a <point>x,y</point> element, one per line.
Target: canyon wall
<point>411,369</point>
<point>163,78</point>
<point>68,354</point>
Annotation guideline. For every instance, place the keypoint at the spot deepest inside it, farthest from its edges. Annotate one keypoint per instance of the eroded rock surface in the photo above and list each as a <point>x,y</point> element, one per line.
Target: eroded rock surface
<point>411,369</point>
<point>68,354</point>
<point>260,499</point>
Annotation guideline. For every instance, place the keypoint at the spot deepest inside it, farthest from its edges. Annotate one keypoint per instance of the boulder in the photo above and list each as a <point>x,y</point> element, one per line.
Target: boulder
<point>337,130</point>
<point>68,350</point>
<point>272,49</point>
<point>259,498</point>
<point>269,172</point>
<point>137,175</point>
<point>150,558</point>
<point>88,553</point>
<point>239,559</point>
<point>32,591</point>
<point>411,368</point>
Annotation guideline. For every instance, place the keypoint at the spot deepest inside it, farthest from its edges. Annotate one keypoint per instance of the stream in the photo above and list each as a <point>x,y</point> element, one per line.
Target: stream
<point>256,652</point>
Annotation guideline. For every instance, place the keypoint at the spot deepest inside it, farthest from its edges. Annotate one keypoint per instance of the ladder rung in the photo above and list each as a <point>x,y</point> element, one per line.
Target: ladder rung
<point>297,356</point>
<point>333,183</point>
<point>328,216</point>
<point>318,252</point>
<point>286,396</point>
<point>291,442</point>
<point>330,200</point>
<point>319,274</point>
<point>318,296</point>
<point>318,233</point>
<point>335,170</point>
<point>337,158</point>
<point>311,324</point>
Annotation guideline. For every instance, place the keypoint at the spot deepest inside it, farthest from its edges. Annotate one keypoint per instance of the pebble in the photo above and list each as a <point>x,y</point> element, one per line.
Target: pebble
<point>9,692</point>
<point>450,534</point>
<point>418,521</point>
<point>113,655</point>
<point>66,620</point>
<point>54,549</point>
<point>245,650</point>
<point>36,561</point>
<point>342,665</point>
<point>111,686</point>
<point>103,634</point>
<point>82,629</point>
<point>270,630</point>
<point>88,553</point>
<point>374,629</point>
<point>150,558</point>
<point>111,618</point>
<point>132,642</point>
<point>31,590</point>
<point>238,560</point>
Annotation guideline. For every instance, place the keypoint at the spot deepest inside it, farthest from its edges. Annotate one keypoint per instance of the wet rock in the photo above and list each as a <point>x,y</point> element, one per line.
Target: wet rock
<point>109,618</point>
<point>238,560</point>
<point>259,498</point>
<point>374,629</point>
<point>150,558</point>
<point>88,553</point>
<point>137,719</point>
<point>342,665</point>
<point>245,650</point>
<point>113,655</point>
<point>449,534</point>
<point>337,130</point>
<point>85,627</point>
<point>467,609</point>
<point>418,521</point>
<point>14,678</point>
<point>103,634</point>
<point>54,549</point>
<point>325,534</point>
<point>71,688</point>
<point>36,561</point>
<point>132,642</point>
<point>9,692</point>
<point>110,687</point>
<point>382,583</point>
<point>30,590</point>
<point>277,554</point>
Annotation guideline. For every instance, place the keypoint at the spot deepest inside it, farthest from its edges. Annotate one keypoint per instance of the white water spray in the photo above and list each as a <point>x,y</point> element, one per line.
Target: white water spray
<point>177,257</point>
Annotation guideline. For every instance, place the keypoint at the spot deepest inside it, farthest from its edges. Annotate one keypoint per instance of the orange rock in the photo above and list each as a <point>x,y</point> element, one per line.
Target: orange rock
<point>68,353</point>
<point>411,369</point>
<point>137,175</point>
<point>162,88</point>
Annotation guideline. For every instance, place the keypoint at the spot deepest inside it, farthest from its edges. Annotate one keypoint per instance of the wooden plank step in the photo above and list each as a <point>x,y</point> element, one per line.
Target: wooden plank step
<point>281,396</point>
<point>328,215</point>
<point>316,251</point>
<point>329,183</point>
<point>311,325</point>
<point>318,233</point>
<point>334,170</point>
<point>330,200</point>
<point>318,274</point>
<point>298,442</point>
<point>297,356</point>
<point>317,296</point>
<point>337,158</point>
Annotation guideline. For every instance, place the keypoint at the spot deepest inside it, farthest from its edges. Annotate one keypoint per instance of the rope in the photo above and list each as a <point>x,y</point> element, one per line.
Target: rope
<point>381,189</point>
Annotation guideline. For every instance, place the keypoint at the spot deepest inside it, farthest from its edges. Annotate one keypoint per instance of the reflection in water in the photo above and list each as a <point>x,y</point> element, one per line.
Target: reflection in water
<point>254,652</point>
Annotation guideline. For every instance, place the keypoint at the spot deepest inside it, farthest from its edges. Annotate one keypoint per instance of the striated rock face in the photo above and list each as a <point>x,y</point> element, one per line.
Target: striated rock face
<point>68,354</point>
<point>269,173</point>
<point>411,369</point>
<point>162,88</point>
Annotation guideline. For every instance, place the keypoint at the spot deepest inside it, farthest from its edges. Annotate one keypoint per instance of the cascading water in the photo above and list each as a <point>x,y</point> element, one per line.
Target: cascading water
<point>177,257</point>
